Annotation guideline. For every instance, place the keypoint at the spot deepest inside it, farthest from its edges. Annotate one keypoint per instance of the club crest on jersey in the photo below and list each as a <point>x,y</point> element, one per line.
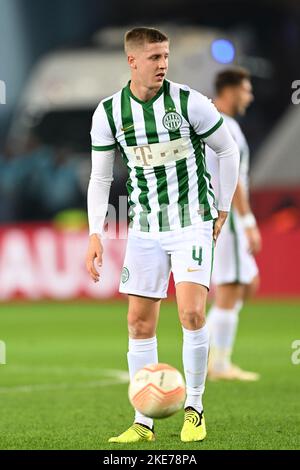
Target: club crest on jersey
<point>124,275</point>
<point>172,121</point>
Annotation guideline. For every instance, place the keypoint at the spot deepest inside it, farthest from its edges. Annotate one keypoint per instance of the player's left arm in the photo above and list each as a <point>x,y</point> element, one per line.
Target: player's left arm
<point>227,153</point>
<point>242,205</point>
<point>210,127</point>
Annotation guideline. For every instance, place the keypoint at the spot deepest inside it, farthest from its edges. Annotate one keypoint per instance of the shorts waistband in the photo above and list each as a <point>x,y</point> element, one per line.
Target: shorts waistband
<point>207,225</point>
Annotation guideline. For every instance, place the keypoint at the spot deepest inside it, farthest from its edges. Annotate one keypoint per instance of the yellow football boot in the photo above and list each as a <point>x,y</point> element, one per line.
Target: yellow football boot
<point>194,426</point>
<point>136,433</point>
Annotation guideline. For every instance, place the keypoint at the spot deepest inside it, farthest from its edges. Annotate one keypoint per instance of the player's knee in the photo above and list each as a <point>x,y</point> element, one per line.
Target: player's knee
<point>192,318</point>
<point>256,284</point>
<point>139,327</point>
<point>252,288</point>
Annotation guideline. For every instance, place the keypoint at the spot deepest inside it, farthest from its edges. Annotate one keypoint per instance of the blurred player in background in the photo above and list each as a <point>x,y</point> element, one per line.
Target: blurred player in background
<point>235,272</point>
<point>160,128</point>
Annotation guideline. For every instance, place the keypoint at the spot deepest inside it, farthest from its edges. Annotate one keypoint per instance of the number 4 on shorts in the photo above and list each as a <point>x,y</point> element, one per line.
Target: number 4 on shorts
<point>197,254</point>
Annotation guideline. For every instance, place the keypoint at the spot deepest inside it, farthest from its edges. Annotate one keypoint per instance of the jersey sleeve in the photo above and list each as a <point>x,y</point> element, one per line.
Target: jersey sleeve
<point>227,153</point>
<point>203,115</point>
<point>101,133</point>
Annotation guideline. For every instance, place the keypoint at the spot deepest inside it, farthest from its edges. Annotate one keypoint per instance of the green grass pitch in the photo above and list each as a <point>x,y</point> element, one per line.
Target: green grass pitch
<point>61,388</point>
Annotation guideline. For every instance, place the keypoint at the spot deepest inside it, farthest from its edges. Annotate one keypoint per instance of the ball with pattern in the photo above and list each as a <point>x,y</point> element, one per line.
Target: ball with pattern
<point>157,390</point>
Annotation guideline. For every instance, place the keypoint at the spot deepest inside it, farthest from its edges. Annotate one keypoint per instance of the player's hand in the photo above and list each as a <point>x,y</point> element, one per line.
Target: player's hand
<point>218,224</point>
<point>94,252</point>
<point>254,239</point>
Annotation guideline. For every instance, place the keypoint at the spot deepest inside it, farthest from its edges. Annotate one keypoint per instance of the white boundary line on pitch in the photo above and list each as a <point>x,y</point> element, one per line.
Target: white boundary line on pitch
<point>64,370</point>
<point>120,377</point>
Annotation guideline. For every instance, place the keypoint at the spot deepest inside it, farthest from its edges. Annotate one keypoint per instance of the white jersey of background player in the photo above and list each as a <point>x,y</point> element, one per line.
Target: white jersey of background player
<point>235,272</point>
<point>212,161</point>
<point>161,129</point>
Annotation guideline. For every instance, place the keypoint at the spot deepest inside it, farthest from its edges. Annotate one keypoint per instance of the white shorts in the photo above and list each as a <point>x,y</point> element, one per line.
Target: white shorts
<point>233,262</point>
<point>150,258</point>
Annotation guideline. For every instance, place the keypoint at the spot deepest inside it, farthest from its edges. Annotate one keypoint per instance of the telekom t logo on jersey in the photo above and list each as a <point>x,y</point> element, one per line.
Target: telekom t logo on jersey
<point>2,92</point>
<point>143,154</point>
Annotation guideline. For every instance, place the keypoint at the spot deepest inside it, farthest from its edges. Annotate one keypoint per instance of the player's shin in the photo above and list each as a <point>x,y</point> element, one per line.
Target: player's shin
<point>223,326</point>
<point>195,354</point>
<point>141,353</point>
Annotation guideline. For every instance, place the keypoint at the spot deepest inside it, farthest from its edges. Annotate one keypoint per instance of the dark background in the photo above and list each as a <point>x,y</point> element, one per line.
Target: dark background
<point>31,28</point>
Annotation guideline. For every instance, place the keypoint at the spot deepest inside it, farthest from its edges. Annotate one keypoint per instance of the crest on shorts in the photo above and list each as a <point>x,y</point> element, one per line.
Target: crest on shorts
<point>124,275</point>
<point>172,121</point>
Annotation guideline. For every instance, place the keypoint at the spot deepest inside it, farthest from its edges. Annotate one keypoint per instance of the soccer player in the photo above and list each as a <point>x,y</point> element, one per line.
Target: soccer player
<point>235,272</point>
<point>161,129</point>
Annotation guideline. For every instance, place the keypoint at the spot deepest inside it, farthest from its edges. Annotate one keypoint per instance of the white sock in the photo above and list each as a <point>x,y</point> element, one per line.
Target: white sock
<point>195,354</point>
<point>238,306</point>
<point>223,332</point>
<point>141,353</point>
<point>210,318</point>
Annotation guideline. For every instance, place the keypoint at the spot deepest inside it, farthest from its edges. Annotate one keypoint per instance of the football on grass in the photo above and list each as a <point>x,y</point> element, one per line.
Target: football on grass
<point>157,390</point>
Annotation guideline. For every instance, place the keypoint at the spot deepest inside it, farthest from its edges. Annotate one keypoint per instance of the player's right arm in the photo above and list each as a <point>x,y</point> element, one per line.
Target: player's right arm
<point>103,154</point>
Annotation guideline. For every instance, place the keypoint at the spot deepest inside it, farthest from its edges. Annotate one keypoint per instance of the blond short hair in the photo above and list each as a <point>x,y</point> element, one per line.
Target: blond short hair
<point>137,37</point>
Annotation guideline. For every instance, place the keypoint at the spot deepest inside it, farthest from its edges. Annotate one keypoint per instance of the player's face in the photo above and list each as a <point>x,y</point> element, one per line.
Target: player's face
<point>243,96</point>
<point>150,64</point>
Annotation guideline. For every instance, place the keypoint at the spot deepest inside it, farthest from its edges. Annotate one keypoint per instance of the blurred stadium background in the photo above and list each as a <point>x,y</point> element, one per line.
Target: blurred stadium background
<point>65,354</point>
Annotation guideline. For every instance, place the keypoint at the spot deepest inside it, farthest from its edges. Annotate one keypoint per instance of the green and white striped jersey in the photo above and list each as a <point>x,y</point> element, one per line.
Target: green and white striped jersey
<point>161,142</point>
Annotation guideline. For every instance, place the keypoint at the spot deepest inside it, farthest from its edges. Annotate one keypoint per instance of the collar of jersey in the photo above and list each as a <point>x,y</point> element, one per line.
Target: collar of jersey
<point>146,103</point>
